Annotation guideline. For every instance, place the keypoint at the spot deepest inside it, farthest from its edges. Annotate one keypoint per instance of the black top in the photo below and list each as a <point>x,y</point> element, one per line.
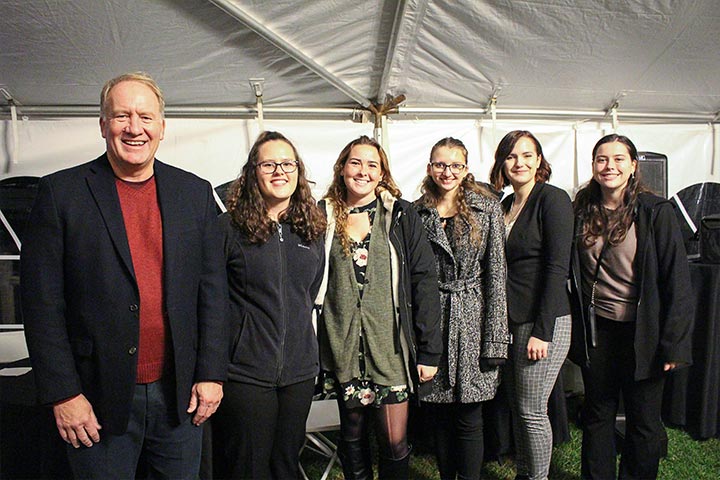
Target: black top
<point>272,291</point>
<point>538,259</point>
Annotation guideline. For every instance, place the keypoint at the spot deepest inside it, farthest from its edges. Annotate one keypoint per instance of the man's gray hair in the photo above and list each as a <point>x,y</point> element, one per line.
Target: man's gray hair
<point>140,77</point>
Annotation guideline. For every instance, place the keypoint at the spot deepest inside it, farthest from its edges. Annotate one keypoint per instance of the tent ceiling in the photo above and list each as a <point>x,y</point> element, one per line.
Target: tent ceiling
<point>655,57</point>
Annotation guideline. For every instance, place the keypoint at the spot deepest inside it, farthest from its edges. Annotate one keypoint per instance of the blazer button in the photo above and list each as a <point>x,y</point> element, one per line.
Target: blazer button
<point>134,308</point>
<point>132,350</point>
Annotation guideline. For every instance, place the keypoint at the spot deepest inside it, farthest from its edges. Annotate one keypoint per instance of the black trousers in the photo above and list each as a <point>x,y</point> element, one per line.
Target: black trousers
<point>611,372</point>
<point>258,431</point>
<point>458,432</point>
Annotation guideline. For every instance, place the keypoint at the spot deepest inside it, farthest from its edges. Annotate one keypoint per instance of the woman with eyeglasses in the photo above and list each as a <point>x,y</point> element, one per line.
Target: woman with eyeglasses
<point>379,328</point>
<point>539,232</point>
<point>275,258</point>
<point>632,311</point>
<point>464,224</point>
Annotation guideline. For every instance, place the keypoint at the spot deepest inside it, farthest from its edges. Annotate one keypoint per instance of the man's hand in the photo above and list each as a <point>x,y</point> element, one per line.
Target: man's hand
<point>537,349</point>
<point>426,373</point>
<point>76,421</point>
<point>204,400</point>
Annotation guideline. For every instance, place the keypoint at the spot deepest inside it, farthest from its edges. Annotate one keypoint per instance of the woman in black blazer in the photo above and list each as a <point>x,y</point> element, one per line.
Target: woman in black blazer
<point>538,229</point>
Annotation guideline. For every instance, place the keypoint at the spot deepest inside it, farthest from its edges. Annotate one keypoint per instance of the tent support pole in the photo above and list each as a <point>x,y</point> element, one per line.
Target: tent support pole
<point>244,17</point>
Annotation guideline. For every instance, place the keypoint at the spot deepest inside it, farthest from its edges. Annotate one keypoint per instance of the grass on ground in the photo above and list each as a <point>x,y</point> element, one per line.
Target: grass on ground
<point>687,459</point>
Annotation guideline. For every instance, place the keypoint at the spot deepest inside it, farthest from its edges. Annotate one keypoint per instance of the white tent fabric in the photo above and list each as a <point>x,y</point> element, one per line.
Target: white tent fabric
<point>652,56</point>
<point>217,148</point>
<point>568,71</point>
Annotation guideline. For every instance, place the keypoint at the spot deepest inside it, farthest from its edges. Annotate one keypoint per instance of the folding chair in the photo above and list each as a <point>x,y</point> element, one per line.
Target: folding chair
<point>323,417</point>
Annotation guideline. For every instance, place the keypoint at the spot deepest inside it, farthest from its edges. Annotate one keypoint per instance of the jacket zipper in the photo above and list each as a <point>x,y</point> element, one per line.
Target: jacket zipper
<point>403,301</point>
<point>283,333</point>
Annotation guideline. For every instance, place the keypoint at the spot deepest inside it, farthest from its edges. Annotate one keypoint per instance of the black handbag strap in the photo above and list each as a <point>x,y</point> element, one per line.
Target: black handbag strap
<point>597,271</point>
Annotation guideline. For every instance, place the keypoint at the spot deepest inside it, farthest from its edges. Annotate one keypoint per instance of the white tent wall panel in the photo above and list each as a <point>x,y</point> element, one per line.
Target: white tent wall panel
<point>213,149</point>
<point>688,148</point>
<point>556,138</point>
<point>216,149</point>
<point>410,145</point>
<point>49,145</point>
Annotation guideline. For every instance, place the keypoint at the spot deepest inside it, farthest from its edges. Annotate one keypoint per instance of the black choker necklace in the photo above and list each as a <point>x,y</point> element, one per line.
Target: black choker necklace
<point>364,208</point>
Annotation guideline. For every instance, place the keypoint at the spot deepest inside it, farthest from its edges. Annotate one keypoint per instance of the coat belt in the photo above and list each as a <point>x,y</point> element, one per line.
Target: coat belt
<point>456,289</point>
<point>460,285</point>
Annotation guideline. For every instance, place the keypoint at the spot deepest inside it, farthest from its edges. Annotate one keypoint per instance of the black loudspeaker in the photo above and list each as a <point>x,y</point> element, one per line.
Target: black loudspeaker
<point>653,172</point>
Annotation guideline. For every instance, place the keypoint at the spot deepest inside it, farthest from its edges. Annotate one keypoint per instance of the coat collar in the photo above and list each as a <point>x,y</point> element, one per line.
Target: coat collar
<point>101,182</point>
<point>433,224</point>
<point>387,200</point>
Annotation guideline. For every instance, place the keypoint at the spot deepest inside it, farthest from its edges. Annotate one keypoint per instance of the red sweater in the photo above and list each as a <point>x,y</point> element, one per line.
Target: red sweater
<point>143,224</point>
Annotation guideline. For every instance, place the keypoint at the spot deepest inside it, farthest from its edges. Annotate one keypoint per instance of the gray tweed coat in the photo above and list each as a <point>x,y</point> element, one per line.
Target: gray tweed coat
<point>472,294</point>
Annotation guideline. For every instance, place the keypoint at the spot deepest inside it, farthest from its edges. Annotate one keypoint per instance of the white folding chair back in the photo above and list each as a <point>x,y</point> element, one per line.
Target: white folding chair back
<point>323,417</point>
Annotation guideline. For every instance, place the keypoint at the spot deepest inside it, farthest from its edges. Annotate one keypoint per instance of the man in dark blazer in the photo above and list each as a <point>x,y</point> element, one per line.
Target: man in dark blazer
<point>124,295</point>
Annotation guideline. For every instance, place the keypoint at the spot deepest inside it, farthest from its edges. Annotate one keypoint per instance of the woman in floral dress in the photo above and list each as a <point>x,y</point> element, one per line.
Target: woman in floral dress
<point>379,327</point>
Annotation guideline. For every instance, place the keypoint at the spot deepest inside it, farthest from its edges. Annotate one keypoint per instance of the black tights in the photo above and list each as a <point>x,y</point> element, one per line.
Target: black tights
<point>390,423</point>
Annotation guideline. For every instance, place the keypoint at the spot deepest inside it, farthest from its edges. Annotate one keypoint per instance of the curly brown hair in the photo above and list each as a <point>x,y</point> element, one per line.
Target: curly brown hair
<point>588,204</point>
<point>248,209</point>
<point>431,193</point>
<point>498,177</point>
<point>337,191</point>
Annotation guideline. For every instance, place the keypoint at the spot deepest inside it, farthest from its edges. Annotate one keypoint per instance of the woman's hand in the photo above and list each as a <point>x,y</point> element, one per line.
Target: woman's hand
<point>669,366</point>
<point>537,349</point>
<point>426,373</point>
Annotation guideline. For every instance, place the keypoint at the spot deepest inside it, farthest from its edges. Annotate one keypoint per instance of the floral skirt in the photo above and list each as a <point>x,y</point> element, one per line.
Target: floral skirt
<point>362,393</point>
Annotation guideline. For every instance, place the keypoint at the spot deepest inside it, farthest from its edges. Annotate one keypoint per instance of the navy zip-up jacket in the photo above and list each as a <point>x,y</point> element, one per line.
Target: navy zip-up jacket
<point>272,290</point>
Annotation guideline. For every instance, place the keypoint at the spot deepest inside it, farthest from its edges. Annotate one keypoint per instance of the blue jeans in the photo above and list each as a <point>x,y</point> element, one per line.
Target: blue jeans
<point>171,451</point>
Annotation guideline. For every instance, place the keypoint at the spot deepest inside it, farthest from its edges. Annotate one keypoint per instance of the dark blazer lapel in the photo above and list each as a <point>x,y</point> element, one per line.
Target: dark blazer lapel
<point>174,215</point>
<point>508,201</point>
<point>525,216</point>
<point>101,181</point>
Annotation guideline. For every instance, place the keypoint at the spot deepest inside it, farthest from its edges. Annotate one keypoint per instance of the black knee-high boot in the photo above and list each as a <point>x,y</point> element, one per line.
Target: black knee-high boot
<point>390,469</point>
<point>355,458</point>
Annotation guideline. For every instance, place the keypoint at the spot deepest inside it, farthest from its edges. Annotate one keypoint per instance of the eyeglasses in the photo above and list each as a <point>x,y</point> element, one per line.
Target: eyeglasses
<point>455,168</point>
<point>288,166</point>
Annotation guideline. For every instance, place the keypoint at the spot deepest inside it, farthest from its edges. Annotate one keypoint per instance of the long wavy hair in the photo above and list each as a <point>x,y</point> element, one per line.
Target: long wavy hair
<point>248,208</point>
<point>431,192</point>
<point>337,191</point>
<point>498,177</point>
<point>588,205</point>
